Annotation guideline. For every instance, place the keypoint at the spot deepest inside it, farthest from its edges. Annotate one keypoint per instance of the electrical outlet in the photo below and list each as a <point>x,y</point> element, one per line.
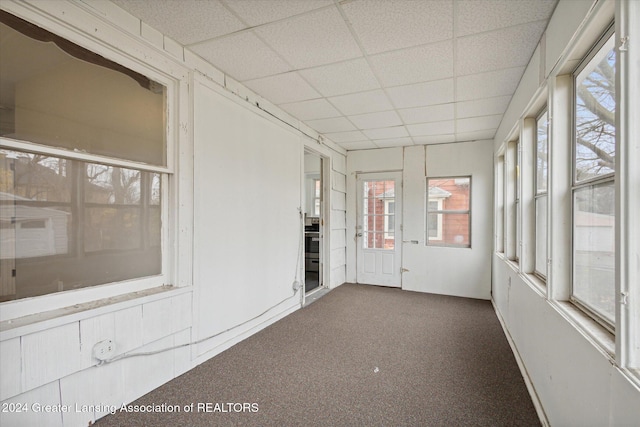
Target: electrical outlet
<point>104,350</point>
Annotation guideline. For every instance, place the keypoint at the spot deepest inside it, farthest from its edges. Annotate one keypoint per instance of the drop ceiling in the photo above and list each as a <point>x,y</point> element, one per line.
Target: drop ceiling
<point>367,73</point>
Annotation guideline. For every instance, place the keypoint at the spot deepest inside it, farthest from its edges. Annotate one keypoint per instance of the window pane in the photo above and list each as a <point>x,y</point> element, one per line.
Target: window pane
<point>594,248</point>
<point>112,185</point>
<point>541,154</point>
<point>455,229</point>
<point>541,236</point>
<point>66,224</point>
<point>454,193</point>
<point>595,148</point>
<point>77,100</point>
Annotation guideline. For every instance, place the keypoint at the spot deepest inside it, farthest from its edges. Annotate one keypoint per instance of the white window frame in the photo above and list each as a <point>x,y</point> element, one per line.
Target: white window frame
<point>576,186</point>
<point>447,211</point>
<point>175,79</point>
<point>538,195</point>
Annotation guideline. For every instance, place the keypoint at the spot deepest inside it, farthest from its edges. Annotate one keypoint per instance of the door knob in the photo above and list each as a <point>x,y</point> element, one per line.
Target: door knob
<point>359,234</point>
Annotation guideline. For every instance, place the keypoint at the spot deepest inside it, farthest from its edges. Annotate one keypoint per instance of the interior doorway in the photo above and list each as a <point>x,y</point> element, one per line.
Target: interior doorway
<point>313,221</point>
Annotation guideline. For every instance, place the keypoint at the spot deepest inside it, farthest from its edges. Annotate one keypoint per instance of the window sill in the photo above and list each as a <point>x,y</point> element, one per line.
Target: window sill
<point>49,319</point>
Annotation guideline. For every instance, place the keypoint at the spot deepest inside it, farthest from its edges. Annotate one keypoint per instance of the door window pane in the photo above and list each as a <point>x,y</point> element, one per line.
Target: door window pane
<point>378,214</point>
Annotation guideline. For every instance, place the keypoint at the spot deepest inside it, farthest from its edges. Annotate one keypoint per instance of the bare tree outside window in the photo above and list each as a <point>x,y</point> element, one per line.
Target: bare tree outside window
<point>595,118</point>
<point>594,190</point>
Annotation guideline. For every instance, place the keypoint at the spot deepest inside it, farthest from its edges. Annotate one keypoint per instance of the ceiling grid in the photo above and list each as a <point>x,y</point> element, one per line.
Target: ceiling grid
<point>367,73</point>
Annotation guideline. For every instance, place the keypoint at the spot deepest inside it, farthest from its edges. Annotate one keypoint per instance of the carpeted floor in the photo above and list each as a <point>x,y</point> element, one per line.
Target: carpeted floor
<point>359,356</point>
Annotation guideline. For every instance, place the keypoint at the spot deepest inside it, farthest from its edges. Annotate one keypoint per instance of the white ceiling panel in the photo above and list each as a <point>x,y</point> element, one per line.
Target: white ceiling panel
<point>358,145</point>
<point>256,12</point>
<point>191,22</point>
<point>414,65</point>
<point>243,56</point>
<point>352,136</point>
<point>361,103</point>
<point>432,113</point>
<point>312,39</point>
<point>283,88</point>
<point>395,24</point>
<point>434,128</point>
<point>376,120</point>
<point>342,78</point>
<point>473,16</point>
<point>310,110</point>
<point>485,85</point>
<point>478,123</point>
<point>393,142</point>
<point>434,139</point>
<point>477,135</point>
<point>336,124</point>
<point>482,107</point>
<point>507,48</point>
<point>386,133</point>
<point>422,94</point>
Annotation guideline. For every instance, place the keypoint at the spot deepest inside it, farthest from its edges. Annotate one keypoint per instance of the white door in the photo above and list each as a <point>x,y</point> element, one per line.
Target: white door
<point>378,229</point>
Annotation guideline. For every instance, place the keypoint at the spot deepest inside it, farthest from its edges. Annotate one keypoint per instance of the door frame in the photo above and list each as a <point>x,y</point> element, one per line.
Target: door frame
<point>396,280</point>
<point>325,180</point>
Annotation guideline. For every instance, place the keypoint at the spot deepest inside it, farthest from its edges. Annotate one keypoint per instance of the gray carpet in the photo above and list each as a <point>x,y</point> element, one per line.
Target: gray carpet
<point>359,356</point>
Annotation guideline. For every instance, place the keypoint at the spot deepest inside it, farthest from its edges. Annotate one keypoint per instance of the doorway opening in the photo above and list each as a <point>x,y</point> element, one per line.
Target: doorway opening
<point>313,221</point>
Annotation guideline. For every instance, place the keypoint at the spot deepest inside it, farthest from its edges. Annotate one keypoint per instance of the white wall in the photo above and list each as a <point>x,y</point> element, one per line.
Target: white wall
<point>442,270</point>
<point>237,189</point>
<point>247,223</point>
<point>568,361</point>
<point>445,270</point>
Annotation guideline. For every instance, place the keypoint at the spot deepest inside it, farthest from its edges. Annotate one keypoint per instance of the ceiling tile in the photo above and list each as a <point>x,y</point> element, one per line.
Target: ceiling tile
<point>336,124</point>
<point>482,107</point>
<point>393,142</point>
<point>473,16</point>
<point>376,120</point>
<point>358,145</point>
<point>256,12</point>
<point>312,39</point>
<point>485,85</point>
<point>434,139</point>
<point>387,25</point>
<point>433,113</point>
<point>242,56</point>
<point>352,136</point>
<point>422,94</point>
<point>435,128</point>
<point>386,133</point>
<point>361,103</point>
<point>341,78</point>
<point>310,110</point>
<point>470,136</point>
<point>191,22</point>
<point>414,65</point>
<point>510,47</point>
<point>478,123</point>
<point>283,88</point>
